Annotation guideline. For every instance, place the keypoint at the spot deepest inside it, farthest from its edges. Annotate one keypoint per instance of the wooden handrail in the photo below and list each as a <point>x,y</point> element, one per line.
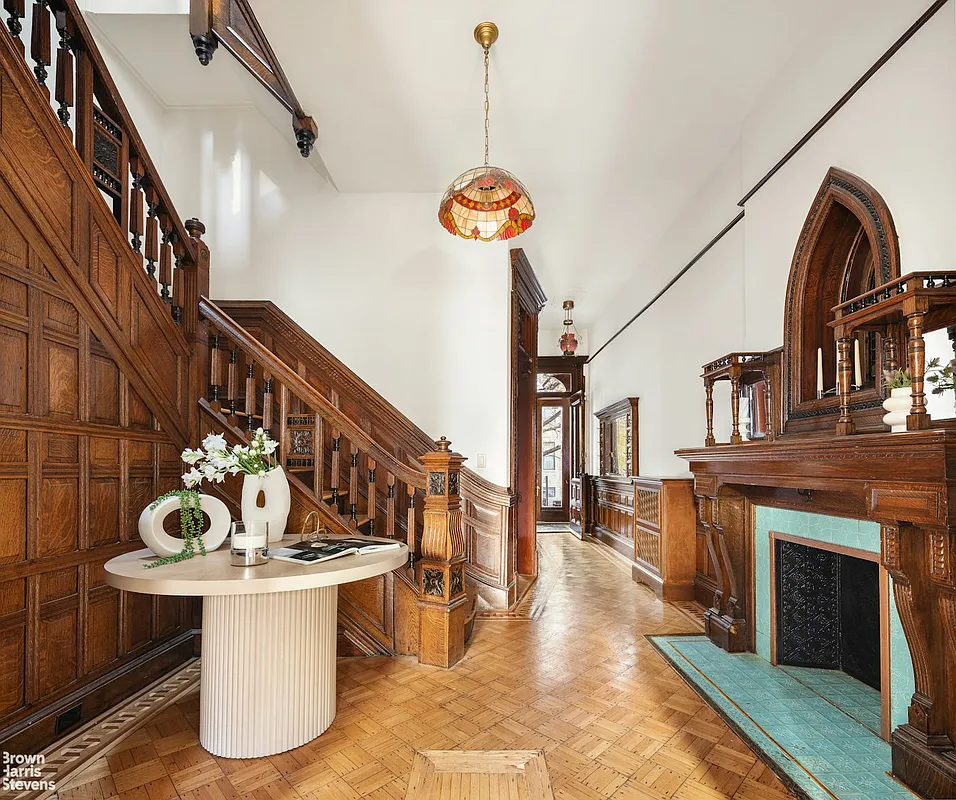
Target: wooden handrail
<point>83,43</point>
<point>223,323</point>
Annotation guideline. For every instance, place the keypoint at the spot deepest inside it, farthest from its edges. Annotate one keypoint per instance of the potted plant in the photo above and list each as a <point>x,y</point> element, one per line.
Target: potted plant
<point>898,403</point>
<point>261,475</point>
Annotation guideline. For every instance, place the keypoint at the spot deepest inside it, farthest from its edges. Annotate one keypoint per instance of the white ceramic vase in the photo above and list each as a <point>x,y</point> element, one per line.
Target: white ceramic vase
<point>898,405</point>
<point>162,544</point>
<point>275,488</point>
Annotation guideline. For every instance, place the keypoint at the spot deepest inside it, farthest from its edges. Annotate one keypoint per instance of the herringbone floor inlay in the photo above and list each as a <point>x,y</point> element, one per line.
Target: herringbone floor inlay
<point>578,682</point>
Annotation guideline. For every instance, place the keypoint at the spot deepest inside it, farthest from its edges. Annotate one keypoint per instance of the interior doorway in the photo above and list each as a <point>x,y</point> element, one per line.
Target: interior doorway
<point>554,463</point>
<point>560,455</point>
<point>527,300</point>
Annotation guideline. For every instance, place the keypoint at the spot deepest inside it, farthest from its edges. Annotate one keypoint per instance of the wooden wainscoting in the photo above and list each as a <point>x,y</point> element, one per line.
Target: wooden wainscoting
<point>665,536</point>
<point>612,505</point>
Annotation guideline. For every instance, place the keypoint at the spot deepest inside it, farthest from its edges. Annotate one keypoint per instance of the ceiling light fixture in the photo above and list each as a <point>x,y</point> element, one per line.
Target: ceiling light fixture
<point>569,340</point>
<point>486,203</point>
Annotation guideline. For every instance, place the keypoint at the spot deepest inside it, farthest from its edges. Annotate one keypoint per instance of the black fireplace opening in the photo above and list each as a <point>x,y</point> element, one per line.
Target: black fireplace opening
<point>828,611</point>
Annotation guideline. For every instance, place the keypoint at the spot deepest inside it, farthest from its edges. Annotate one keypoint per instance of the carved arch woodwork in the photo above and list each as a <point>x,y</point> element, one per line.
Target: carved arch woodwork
<point>848,242</point>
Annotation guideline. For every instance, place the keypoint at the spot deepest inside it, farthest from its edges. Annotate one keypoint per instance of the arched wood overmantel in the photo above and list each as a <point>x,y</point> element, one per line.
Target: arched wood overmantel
<point>848,240</point>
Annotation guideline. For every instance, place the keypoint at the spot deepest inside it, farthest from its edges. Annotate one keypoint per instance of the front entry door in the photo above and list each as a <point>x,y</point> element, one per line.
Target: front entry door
<point>554,461</point>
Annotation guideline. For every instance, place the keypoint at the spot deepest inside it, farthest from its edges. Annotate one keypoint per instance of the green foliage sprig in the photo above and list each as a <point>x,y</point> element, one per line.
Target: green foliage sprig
<point>897,379</point>
<point>942,378</point>
<point>190,518</point>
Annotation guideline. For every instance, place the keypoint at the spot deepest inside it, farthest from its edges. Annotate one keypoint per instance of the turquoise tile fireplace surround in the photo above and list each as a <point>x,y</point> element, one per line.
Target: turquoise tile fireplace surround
<point>859,534</point>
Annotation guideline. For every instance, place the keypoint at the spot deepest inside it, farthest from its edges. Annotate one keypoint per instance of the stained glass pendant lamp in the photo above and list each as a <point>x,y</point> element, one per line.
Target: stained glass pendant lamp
<point>487,202</point>
<point>569,339</point>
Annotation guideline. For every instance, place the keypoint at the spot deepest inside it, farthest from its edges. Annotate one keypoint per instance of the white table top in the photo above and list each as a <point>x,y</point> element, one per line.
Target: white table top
<point>206,576</point>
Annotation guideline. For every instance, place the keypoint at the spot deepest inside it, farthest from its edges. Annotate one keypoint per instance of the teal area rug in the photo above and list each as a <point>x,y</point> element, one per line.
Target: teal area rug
<point>816,749</point>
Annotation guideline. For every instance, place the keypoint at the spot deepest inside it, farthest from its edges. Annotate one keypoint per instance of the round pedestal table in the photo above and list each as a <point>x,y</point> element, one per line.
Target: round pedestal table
<point>267,681</point>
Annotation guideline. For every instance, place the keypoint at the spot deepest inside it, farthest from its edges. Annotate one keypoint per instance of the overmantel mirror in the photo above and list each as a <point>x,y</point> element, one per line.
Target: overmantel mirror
<point>848,246</point>
<point>618,439</point>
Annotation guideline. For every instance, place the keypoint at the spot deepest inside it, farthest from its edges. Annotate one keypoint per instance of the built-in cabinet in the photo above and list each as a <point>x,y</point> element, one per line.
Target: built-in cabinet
<point>665,536</point>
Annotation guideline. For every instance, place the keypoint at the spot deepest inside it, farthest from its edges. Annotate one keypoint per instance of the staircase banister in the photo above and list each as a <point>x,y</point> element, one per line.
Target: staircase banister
<point>304,391</point>
<point>80,31</point>
<point>412,438</point>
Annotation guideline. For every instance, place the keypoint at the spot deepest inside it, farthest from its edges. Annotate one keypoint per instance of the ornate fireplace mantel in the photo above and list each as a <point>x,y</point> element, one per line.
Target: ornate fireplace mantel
<point>828,453</point>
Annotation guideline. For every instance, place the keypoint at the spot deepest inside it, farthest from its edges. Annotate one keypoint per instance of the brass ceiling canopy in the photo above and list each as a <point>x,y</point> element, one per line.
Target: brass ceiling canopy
<point>486,34</point>
<point>487,202</point>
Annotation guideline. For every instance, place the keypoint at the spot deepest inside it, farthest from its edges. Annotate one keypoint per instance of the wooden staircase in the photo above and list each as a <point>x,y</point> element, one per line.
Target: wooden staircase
<point>338,474</point>
<point>139,275</point>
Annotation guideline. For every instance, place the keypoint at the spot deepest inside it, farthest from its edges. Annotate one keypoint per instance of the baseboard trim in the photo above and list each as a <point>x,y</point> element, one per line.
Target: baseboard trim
<point>37,730</point>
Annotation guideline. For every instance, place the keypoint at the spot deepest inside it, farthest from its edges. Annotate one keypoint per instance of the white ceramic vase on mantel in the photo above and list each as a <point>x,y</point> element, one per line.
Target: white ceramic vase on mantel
<point>274,487</point>
<point>898,405</point>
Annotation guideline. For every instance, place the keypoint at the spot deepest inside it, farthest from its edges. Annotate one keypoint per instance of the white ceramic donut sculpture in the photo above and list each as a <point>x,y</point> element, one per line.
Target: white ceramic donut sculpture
<point>162,544</point>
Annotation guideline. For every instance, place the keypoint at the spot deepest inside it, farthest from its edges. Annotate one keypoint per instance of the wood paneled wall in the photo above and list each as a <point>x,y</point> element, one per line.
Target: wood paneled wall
<point>89,359</point>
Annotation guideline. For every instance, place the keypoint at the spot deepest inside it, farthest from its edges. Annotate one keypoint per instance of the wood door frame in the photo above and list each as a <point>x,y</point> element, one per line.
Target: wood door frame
<point>527,300</point>
<point>562,514</point>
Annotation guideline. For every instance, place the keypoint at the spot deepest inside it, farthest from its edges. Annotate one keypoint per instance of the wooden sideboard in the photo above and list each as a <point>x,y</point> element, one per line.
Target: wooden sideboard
<point>665,536</point>
<point>652,523</point>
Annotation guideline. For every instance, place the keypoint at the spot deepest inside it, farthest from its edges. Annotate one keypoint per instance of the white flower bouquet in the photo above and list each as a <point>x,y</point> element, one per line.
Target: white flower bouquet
<point>215,459</point>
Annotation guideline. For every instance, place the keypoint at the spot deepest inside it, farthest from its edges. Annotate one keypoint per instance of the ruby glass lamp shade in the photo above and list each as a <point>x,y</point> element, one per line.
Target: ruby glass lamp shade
<point>486,203</point>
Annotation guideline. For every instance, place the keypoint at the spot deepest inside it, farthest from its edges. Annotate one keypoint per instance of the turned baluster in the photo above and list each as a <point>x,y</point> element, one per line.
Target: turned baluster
<point>390,506</point>
<point>410,529</point>
<point>136,207</point>
<point>250,396</point>
<point>232,382</point>
<point>371,497</point>
<point>735,437</point>
<point>353,485</point>
<point>768,402</point>
<point>267,403</point>
<point>336,449</point>
<point>16,10</point>
<point>845,425</point>
<point>318,453</point>
<point>179,282</point>
<point>284,427</point>
<point>152,233</point>
<point>709,441</point>
<point>40,49</point>
<point>890,359</point>
<point>215,369</point>
<point>64,70</point>
<point>165,259</point>
<point>917,419</point>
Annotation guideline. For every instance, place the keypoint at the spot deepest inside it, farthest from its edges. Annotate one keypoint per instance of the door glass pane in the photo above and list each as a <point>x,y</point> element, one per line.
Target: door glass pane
<point>552,456</point>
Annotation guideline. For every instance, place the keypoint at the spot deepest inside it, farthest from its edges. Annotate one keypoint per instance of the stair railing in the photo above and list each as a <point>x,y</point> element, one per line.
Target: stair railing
<point>253,388</point>
<point>346,464</point>
<point>96,121</point>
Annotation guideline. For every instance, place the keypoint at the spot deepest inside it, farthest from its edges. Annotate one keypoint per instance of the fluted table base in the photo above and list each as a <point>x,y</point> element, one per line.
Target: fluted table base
<point>268,671</point>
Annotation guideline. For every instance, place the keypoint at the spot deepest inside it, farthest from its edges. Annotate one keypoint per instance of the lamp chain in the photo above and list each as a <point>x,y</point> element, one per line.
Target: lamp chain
<point>487,106</point>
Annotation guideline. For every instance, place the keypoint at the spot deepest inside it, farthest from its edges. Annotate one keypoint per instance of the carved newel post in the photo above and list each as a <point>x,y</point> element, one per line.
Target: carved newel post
<point>441,565</point>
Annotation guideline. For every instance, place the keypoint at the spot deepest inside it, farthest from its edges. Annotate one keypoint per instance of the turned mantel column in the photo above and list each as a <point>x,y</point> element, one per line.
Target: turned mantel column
<point>441,565</point>
<point>918,419</point>
<point>735,437</point>
<point>709,441</point>
<point>844,425</point>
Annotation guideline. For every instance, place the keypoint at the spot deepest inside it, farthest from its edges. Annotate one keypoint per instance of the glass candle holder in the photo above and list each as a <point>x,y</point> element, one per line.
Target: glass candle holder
<point>249,543</point>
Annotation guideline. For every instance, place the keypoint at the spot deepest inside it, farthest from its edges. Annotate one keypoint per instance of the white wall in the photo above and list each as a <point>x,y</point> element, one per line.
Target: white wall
<point>896,133</point>
<point>418,314</point>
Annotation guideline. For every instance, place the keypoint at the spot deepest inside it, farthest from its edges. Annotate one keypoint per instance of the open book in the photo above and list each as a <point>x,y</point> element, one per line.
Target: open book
<point>325,549</point>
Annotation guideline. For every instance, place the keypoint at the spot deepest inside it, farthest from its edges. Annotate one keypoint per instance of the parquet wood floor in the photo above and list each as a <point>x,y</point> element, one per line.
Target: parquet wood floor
<point>578,681</point>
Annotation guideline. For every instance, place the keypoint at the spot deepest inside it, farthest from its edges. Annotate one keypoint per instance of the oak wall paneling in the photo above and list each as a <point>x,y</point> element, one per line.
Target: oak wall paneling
<point>94,409</point>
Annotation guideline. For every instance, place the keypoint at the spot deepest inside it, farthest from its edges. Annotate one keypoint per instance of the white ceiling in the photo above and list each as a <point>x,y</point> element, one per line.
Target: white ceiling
<point>613,114</point>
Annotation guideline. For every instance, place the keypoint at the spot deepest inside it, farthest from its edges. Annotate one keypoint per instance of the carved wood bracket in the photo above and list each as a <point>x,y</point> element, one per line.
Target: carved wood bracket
<point>233,23</point>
